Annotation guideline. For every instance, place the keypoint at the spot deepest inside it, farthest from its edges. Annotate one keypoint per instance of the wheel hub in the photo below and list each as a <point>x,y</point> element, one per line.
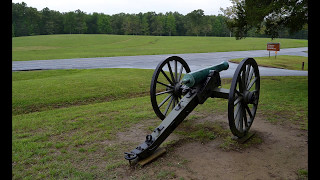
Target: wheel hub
<point>176,90</point>
<point>250,97</point>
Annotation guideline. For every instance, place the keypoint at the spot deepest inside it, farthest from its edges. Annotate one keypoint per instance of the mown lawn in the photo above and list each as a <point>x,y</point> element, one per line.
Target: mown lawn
<point>100,45</point>
<point>76,115</point>
<point>41,90</point>
<point>283,61</point>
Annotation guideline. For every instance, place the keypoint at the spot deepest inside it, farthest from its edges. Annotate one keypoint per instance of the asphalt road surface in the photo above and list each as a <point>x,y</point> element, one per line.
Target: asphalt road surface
<point>194,60</point>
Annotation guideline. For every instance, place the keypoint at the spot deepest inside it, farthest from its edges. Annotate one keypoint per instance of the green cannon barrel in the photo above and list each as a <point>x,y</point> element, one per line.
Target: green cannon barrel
<point>195,77</point>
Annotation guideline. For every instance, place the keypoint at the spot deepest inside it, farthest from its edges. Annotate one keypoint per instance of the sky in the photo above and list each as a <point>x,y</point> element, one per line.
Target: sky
<point>110,7</point>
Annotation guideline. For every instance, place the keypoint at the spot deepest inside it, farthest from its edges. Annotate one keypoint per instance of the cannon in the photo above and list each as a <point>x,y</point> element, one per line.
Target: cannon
<point>176,92</point>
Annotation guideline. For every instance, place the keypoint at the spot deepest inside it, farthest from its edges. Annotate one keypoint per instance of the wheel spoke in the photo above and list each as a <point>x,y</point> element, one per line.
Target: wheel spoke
<point>165,75</point>
<point>237,111</point>
<point>170,70</point>
<point>238,116</point>
<point>239,98</point>
<point>165,100</point>
<point>249,111</point>
<point>245,119</point>
<point>169,91</point>
<point>181,69</point>
<point>251,83</point>
<point>241,119</point>
<point>243,81</point>
<point>174,102</point>
<point>238,93</point>
<point>240,80</point>
<point>176,70</point>
<point>164,84</point>
<point>167,108</point>
<point>250,77</point>
<point>247,74</point>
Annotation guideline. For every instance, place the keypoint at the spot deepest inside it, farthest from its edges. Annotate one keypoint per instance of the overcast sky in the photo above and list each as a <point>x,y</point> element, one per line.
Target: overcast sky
<point>210,7</point>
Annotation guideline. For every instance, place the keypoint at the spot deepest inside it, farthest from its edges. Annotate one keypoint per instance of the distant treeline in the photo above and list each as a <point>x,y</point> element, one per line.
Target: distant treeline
<point>28,21</point>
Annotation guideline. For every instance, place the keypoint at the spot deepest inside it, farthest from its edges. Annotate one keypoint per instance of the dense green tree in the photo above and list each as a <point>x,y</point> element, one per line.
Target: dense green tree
<point>219,27</point>
<point>180,24</point>
<point>80,22</point>
<point>144,26</point>
<point>170,24</point>
<point>13,35</point>
<point>158,24</point>
<point>51,22</point>
<point>18,19</point>
<point>131,24</point>
<point>273,15</point>
<point>207,25</point>
<point>92,23</point>
<point>195,22</point>
<point>46,24</point>
<point>25,19</point>
<point>32,19</point>
<point>69,22</point>
<point>116,23</point>
<point>135,24</point>
<point>103,23</point>
<point>150,18</point>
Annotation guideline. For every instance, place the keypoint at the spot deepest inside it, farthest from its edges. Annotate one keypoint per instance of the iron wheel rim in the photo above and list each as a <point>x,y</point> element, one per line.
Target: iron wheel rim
<point>171,81</point>
<point>243,97</point>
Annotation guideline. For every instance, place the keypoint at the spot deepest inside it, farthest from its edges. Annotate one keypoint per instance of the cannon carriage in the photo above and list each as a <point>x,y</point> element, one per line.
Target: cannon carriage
<point>177,91</point>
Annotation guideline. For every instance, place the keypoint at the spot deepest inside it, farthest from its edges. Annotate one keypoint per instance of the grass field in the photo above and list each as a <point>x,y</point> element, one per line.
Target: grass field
<point>41,90</point>
<point>283,61</point>
<point>98,45</point>
<point>64,121</point>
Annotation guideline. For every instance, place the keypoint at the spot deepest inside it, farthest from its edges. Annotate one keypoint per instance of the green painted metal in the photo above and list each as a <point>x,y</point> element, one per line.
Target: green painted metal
<point>193,78</point>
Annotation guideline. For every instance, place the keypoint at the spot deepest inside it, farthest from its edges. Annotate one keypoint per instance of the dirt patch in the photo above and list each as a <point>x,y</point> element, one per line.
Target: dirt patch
<point>137,134</point>
<point>282,152</point>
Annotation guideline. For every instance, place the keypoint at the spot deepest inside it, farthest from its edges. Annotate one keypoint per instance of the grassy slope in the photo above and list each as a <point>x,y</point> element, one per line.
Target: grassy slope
<point>52,89</point>
<point>69,142</point>
<point>39,90</point>
<point>91,45</point>
<point>283,61</point>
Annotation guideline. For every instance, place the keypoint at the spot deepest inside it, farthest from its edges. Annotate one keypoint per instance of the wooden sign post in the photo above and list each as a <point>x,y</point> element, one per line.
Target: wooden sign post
<point>273,47</point>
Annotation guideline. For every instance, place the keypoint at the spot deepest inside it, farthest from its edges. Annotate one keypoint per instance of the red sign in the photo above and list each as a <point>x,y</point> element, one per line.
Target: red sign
<point>273,46</point>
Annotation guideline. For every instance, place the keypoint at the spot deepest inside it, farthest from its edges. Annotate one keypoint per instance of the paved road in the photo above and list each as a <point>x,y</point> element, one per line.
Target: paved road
<point>194,60</point>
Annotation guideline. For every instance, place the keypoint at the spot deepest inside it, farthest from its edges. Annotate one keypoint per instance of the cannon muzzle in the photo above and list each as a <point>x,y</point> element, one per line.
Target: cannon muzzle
<point>193,78</point>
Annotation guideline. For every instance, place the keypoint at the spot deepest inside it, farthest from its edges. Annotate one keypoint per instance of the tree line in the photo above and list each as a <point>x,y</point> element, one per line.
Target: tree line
<point>28,21</point>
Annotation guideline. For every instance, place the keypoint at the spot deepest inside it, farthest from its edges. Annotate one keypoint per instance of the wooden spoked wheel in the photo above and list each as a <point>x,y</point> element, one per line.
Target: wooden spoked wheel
<point>165,90</point>
<point>243,97</point>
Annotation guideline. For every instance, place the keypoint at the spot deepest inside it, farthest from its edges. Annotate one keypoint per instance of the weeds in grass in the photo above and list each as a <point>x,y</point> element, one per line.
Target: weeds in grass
<point>302,174</point>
